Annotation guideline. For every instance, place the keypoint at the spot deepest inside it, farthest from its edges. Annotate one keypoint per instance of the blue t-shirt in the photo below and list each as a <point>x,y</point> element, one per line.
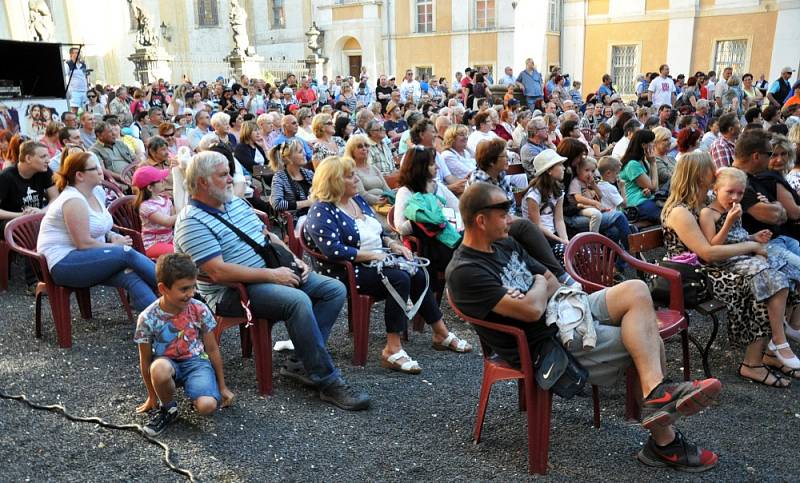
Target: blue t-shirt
<point>532,82</point>
<point>175,336</point>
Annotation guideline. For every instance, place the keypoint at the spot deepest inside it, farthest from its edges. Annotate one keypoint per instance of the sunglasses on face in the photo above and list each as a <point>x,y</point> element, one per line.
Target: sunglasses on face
<point>504,206</point>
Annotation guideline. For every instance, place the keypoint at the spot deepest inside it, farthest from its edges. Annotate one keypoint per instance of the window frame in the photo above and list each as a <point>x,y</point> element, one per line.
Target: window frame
<point>745,63</point>
<point>277,22</point>
<point>416,4</point>
<point>428,68</point>
<point>476,7</point>
<point>555,10</point>
<point>635,67</point>
<point>214,4</point>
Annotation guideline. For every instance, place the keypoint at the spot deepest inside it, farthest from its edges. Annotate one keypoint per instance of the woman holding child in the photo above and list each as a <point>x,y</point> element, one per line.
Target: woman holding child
<point>756,303</point>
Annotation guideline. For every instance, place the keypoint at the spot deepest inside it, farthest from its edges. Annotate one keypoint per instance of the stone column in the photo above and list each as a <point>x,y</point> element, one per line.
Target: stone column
<point>150,64</point>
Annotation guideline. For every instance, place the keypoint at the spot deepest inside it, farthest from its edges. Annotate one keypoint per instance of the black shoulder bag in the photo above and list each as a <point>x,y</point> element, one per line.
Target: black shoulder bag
<point>274,256</point>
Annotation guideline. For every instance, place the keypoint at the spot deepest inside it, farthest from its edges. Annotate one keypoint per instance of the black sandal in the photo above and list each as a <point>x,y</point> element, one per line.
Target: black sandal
<point>786,371</point>
<point>770,372</point>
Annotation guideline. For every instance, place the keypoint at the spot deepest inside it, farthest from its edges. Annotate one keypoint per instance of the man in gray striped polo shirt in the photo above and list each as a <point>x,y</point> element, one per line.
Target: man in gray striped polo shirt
<point>309,303</point>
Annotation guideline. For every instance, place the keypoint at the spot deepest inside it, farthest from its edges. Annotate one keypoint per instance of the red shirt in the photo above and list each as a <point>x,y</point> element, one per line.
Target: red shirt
<point>306,95</point>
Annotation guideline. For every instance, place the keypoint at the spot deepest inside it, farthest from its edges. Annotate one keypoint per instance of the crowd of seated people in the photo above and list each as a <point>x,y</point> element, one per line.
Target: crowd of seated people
<point>709,161</point>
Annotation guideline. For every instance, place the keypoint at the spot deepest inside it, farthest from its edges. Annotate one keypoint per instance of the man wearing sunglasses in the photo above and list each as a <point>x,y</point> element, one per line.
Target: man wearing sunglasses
<point>491,277</point>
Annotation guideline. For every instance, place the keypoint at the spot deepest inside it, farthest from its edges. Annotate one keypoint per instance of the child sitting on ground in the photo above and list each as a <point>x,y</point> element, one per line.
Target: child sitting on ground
<point>610,197</point>
<point>155,209</point>
<point>177,347</point>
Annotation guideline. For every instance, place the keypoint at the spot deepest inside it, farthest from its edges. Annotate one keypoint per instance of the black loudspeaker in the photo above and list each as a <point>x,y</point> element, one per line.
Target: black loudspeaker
<point>36,67</point>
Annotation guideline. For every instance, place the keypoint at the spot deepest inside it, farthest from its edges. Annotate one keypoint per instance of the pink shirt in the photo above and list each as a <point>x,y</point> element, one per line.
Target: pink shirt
<point>152,232</point>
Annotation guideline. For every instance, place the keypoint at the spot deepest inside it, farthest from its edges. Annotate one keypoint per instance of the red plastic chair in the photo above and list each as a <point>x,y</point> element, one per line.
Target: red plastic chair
<point>590,259</point>
<point>127,220</point>
<point>358,305</point>
<point>536,401</point>
<point>257,340</point>
<point>21,234</point>
<point>291,241</point>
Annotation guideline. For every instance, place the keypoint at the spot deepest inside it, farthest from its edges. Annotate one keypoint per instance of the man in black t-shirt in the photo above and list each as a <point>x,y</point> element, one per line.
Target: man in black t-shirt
<point>491,277</point>
<point>28,186</point>
<point>761,211</point>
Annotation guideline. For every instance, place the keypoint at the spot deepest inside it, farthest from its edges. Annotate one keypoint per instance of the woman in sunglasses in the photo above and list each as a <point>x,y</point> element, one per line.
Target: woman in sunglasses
<point>94,105</point>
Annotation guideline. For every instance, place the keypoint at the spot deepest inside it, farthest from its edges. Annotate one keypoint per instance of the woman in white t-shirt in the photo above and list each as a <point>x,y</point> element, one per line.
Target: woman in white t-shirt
<point>76,238</point>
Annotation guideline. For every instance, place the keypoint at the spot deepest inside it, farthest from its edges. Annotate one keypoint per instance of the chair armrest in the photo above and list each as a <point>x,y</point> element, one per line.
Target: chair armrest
<point>136,237</point>
<point>238,286</point>
<point>671,275</point>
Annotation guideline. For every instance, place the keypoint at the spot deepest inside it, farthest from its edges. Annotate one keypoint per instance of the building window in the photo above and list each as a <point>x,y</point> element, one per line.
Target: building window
<point>484,14</point>
<point>730,53</point>
<point>554,16</point>
<point>624,59</point>
<point>278,15</point>
<point>423,73</point>
<point>424,13</point>
<point>207,13</point>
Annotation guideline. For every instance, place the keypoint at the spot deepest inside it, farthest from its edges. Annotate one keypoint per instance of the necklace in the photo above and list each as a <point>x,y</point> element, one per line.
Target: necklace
<point>353,213</point>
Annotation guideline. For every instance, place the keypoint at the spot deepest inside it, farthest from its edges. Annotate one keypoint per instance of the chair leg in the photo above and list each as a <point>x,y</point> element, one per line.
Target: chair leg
<point>123,296</point>
<point>38,323</point>
<point>418,323</point>
<point>262,347</point>
<point>687,366</point>
<point>84,302</point>
<point>59,304</point>
<point>483,402</point>
<point>538,429</point>
<point>596,406</point>
<point>633,395</point>
<point>523,401</point>
<point>360,333</point>
<point>246,341</point>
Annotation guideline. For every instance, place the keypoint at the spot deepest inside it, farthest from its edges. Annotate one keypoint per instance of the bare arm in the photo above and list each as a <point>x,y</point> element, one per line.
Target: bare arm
<point>145,359</point>
<point>533,305</point>
<point>708,220</point>
<point>221,272</point>
<point>163,220</point>
<point>786,200</point>
<point>76,219</point>
<point>561,227</point>
<point>770,213</point>
<point>533,215</point>
<point>214,356</point>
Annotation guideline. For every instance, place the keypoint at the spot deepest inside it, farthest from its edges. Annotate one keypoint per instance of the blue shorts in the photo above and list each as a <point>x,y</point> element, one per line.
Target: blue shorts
<point>197,377</point>
<point>77,99</point>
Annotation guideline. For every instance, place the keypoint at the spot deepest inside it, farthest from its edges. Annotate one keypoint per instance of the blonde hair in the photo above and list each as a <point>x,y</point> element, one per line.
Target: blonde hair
<point>686,186</point>
<point>452,133</point>
<point>318,124</point>
<point>328,184</point>
<point>350,147</point>
<point>246,131</point>
<point>282,151</point>
<point>608,163</point>
<point>730,174</point>
<point>662,134</point>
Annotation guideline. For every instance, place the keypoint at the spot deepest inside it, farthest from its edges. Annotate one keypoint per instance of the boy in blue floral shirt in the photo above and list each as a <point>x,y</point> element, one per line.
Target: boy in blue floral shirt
<point>177,347</point>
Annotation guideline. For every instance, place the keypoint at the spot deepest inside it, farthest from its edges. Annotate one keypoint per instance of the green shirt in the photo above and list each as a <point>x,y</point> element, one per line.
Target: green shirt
<point>633,192</point>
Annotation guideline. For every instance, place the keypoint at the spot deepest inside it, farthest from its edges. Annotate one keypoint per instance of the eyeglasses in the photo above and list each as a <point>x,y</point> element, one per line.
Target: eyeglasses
<point>361,146</point>
<point>504,206</point>
<point>169,135</point>
<point>329,124</point>
<point>96,168</point>
<point>92,97</point>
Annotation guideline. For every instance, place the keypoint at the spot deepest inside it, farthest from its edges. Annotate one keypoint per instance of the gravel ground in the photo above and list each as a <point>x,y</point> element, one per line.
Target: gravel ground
<point>418,428</point>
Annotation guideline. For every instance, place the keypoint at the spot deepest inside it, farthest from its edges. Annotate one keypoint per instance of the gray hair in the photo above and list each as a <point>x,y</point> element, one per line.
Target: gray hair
<point>535,124</point>
<point>206,141</point>
<point>220,119</point>
<point>788,146</point>
<point>701,104</point>
<point>202,165</point>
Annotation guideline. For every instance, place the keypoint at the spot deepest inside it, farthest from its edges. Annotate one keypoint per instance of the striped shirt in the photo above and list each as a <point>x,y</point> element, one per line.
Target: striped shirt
<point>203,237</point>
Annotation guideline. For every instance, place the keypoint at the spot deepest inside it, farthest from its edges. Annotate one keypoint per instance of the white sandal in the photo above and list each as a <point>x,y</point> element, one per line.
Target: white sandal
<point>410,366</point>
<point>461,345</point>
<point>792,362</point>
<point>791,333</point>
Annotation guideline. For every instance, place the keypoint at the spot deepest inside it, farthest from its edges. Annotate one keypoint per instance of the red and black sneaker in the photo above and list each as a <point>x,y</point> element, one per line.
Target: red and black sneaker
<point>679,454</point>
<point>670,401</point>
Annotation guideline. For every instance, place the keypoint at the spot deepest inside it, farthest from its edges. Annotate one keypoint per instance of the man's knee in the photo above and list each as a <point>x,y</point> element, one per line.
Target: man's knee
<point>205,405</point>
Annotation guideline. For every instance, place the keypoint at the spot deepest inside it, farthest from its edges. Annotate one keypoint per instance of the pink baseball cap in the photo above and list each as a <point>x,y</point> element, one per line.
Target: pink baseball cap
<point>147,175</point>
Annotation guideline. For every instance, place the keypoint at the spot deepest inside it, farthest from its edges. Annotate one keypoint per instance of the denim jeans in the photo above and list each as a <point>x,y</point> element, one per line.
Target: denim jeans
<point>789,248</point>
<point>617,220</point>
<point>115,266</point>
<point>648,210</point>
<point>309,313</point>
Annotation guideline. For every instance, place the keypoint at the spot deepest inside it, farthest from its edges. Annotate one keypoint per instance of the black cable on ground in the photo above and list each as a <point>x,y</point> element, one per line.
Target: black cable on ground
<point>57,408</point>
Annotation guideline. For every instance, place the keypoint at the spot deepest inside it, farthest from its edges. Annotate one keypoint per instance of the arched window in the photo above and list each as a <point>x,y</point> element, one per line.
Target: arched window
<point>207,15</point>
